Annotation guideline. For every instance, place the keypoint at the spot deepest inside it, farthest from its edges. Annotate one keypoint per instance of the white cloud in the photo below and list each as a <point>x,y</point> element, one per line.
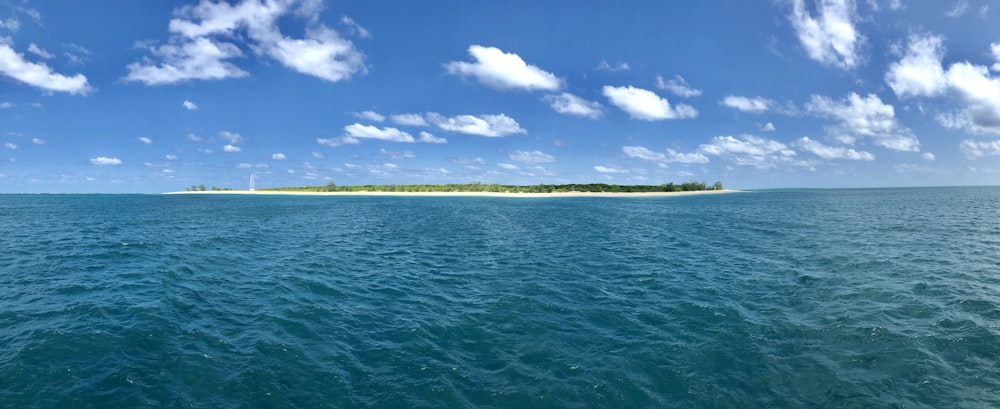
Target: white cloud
<point>170,157</point>
<point>10,145</point>
<point>864,117</point>
<point>499,125</point>
<point>231,149</point>
<point>193,53</point>
<point>317,155</point>
<point>995,50</point>
<point>278,156</point>
<point>977,149</point>
<point>190,105</point>
<point>370,116</point>
<point>678,86</point>
<point>980,93</point>
<point>103,161</point>
<point>754,105</point>
<point>427,137</point>
<point>531,157</point>
<point>672,156</point>
<point>500,70</point>
<point>832,152</point>
<point>604,66</point>
<point>769,127</point>
<point>831,38</point>
<point>361,31</point>
<point>372,132</point>
<point>609,169</point>
<point>145,140</point>
<point>409,119</point>
<point>639,152</point>
<point>5,105</point>
<point>38,141</point>
<point>749,150</point>
<point>508,166</point>
<point>10,23</point>
<point>927,156</point>
<point>566,103</point>
<point>39,75</point>
<point>232,137</point>
<point>646,105</point>
<point>197,59</point>
<point>194,138</point>
<point>960,7</point>
<point>397,155</point>
<point>36,50</point>
<point>919,72</point>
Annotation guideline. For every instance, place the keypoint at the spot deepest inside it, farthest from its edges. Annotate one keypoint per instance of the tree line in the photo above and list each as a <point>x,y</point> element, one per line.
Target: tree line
<point>499,188</point>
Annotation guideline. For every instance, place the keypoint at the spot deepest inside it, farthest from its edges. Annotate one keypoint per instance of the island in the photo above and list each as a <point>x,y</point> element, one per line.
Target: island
<point>481,189</point>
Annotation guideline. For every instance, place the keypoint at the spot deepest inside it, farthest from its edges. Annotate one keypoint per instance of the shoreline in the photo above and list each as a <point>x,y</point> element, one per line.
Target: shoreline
<point>457,194</point>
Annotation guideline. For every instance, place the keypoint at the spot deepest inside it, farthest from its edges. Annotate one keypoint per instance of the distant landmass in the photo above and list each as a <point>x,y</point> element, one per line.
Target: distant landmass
<point>331,187</point>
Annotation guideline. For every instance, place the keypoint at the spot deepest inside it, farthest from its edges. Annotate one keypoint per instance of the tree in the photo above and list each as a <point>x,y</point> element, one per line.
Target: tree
<point>717,186</point>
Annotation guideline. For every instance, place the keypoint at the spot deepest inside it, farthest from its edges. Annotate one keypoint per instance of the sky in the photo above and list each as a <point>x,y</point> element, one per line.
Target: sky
<point>154,96</point>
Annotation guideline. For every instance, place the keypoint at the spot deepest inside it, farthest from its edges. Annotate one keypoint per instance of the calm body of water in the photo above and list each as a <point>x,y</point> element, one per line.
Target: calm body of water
<point>839,298</point>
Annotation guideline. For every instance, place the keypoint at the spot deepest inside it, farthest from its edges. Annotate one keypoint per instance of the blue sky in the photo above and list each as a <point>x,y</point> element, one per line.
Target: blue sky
<point>151,96</point>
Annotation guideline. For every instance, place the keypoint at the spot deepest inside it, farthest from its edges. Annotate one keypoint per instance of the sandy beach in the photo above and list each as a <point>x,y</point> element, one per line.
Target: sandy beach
<point>456,194</point>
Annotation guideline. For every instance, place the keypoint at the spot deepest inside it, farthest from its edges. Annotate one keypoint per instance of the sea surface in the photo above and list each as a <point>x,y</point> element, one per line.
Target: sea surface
<point>770,299</point>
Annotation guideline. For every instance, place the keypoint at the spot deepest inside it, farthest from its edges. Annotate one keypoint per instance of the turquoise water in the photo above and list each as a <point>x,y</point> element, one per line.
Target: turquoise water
<point>827,298</point>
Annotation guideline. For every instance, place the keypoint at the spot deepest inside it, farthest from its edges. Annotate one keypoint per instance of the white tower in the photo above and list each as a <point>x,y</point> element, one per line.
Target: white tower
<point>251,182</point>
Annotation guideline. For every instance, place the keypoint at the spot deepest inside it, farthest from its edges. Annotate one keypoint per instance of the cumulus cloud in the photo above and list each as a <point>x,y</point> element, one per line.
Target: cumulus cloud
<point>198,47</point>
<point>170,157</point>
<point>960,7</point>
<point>864,117</point>
<point>355,27</point>
<point>831,37</point>
<point>977,149</point>
<point>832,152</point>
<point>678,86</point>
<point>10,23</point>
<point>919,72</point>
<point>10,145</point>
<point>189,105</point>
<point>278,156</point>
<point>508,166</point>
<point>749,150</point>
<point>231,148</point>
<point>531,157</point>
<point>646,105</point>
<point>427,137</point>
<point>566,103</point>
<point>604,66</point>
<point>409,119</point>
<point>768,127</point>
<point>503,71</point>
<point>104,161</point>
<point>927,156</point>
<point>358,131</point>
<point>39,75</point>
<point>232,137</point>
<point>370,116</point>
<point>494,126</point>
<point>609,169</point>
<point>754,105</point>
<point>671,156</point>
<point>36,50</point>
<point>5,105</point>
<point>145,140</point>
<point>38,141</point>
<point>995,50</point>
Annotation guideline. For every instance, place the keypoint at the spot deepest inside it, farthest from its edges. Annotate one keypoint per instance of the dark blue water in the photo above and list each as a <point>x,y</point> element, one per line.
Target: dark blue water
<point>840,298</point>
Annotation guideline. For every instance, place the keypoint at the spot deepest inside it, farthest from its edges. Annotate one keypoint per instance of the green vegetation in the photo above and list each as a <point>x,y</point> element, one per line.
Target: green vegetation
<point>493,187</point>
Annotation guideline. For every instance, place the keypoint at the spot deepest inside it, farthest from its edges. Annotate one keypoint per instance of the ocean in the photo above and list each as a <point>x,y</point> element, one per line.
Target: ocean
<point>842,298</point>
